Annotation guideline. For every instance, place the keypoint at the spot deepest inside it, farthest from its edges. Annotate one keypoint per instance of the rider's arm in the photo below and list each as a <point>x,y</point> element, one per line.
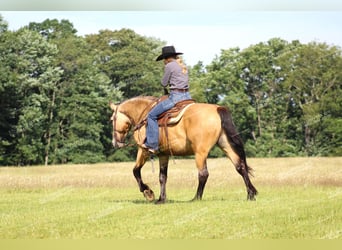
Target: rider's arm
<point>167,74</point>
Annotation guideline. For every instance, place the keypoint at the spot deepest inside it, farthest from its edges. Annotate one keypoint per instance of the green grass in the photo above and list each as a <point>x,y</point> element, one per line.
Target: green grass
<point>300,198</point>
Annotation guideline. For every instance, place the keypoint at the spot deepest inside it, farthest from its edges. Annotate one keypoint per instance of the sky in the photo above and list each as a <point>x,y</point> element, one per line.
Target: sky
<point>200,35</point>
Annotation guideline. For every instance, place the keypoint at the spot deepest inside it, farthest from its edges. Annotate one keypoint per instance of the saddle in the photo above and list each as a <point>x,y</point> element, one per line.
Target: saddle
<point>173,115</point>
<point>169,117</point>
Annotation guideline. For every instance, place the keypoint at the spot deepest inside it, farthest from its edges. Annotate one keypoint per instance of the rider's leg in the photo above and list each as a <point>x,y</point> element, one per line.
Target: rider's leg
<point>152,131</point>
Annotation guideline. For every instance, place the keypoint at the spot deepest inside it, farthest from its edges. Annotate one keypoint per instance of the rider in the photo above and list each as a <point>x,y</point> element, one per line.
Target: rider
<point>176,76</point>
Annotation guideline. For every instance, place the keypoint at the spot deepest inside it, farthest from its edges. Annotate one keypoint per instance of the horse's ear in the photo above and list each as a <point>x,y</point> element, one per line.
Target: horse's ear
<point>112,106</point>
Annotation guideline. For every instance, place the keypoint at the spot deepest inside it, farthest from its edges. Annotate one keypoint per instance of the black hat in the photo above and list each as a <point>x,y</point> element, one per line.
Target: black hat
<point>168,51</point>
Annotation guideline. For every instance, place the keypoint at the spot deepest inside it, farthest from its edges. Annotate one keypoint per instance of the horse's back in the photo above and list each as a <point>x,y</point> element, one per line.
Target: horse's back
<point>199,129</point>
<point>202,123</point>
<point>203,113</point>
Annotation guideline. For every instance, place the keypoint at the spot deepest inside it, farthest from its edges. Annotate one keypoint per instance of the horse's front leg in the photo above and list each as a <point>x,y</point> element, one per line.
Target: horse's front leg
<point>140,161</point>
<point>163,166</point>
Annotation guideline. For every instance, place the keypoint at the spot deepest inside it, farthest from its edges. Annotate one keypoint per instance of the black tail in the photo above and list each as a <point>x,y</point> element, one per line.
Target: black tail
<point>234,138</point>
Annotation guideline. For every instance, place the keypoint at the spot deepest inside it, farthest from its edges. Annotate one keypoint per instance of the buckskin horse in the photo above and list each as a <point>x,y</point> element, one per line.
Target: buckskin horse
<point>197,131</point>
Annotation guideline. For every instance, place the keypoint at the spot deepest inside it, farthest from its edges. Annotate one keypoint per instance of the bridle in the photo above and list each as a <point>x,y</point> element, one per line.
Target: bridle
<point>136,127</point>
<point>122,132</point>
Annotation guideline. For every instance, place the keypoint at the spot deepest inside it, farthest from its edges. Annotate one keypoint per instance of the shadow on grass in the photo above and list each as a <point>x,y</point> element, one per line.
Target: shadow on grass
<point>145,202</point>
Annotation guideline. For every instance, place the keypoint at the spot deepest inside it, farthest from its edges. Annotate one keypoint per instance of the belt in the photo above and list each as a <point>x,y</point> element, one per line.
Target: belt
<point>180,90</point>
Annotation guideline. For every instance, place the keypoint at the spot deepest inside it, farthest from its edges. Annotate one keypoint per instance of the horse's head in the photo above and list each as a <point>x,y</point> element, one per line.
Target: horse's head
<point>128,114</point>
<point>121,126</point>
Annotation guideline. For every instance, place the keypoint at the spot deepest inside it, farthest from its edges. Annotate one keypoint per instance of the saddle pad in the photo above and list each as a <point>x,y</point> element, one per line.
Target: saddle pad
<point>174,119</point>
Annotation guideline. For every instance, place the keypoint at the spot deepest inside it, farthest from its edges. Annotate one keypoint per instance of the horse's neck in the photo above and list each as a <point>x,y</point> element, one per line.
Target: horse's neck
<point>137,108</point>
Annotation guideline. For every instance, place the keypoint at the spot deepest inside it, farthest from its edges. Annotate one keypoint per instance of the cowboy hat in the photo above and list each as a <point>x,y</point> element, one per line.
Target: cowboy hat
<point>168,51</point>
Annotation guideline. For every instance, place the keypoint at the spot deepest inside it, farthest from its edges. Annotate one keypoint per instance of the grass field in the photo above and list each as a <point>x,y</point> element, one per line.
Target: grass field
<point>299,198</point>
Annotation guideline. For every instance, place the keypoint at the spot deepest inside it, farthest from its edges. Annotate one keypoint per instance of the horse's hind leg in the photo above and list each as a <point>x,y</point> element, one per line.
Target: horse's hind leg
<point>240,165</point>
<point>243,169</point>
<point>203,174</point>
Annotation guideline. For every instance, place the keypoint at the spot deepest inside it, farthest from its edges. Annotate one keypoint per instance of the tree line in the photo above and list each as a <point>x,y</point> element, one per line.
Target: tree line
<point>55,86</point>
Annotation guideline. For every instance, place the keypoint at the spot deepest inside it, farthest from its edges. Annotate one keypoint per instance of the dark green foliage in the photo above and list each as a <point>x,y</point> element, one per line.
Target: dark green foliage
<point>128,59</point>
<point>285,97</point>
<point>55,86</point>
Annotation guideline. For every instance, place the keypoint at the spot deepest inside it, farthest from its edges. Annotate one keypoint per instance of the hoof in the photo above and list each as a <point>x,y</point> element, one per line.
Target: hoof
<point>196,198</point>
<point>149,195</point>
<point>158,202</point>
<point>251,198</point>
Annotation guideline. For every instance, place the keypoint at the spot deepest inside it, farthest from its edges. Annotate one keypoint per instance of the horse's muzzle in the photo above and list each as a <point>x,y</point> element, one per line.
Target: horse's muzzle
<point>117,144</point>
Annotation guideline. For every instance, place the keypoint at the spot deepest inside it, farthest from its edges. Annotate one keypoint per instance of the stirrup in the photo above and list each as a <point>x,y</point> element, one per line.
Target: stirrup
<point>150,150</point>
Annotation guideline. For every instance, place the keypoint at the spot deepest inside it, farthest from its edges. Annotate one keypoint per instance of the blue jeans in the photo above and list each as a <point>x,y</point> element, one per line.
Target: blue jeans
<point>152,131</point>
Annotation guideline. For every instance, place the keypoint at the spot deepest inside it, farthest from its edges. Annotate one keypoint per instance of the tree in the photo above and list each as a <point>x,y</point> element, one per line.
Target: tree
<point>81,115</point>
<point>8,94</point>
<point>82,98</point>
<point>128,59</point>
<point>264,78</point>
<point>226,87</point>
<point>55,86</point>
<point>314,81</point>
<point>250,82</point>
<point>197,82</point>
<point>3,25</point>
<point>53,29</point>
<point>36,82</point>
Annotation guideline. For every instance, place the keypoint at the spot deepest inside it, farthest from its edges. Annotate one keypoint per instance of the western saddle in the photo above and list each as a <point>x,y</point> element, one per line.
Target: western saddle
<point>169,117</point>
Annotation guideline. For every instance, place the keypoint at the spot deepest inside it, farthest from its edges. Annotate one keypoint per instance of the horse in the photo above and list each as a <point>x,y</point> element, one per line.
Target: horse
<point>201,127</point>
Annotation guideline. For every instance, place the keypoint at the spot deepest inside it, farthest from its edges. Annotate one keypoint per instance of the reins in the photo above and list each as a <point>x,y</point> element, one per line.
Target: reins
<point>129,136</point>
<point>142,120</point>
